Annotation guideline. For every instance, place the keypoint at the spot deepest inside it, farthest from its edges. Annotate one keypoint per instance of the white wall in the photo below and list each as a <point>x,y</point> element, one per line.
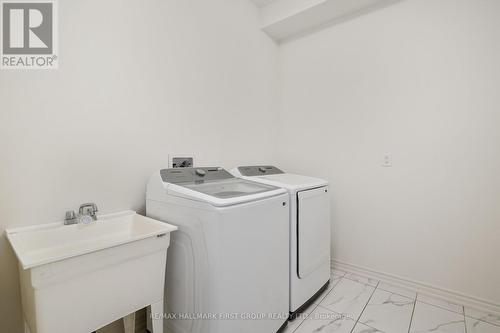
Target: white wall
<point>419,80</point>
<point>137,81</point>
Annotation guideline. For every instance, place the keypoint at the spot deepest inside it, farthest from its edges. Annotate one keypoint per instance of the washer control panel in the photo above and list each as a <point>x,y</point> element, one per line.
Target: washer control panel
<point>194,175</point>
<point>259,170</point>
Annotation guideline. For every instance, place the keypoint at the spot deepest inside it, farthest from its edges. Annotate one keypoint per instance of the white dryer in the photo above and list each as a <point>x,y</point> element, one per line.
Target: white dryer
<point>309,230</point>
<point>227,267</point>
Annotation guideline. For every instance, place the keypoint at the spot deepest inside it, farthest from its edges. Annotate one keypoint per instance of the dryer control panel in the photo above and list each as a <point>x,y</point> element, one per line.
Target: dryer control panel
<point>194,175</point>
<point>259,170</point>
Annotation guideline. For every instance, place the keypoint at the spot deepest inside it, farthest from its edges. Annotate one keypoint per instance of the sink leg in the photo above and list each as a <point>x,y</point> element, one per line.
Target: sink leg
<point>26,327</point>
<point>155,317</point>
<point>149,325</point>
<point>129,323</point>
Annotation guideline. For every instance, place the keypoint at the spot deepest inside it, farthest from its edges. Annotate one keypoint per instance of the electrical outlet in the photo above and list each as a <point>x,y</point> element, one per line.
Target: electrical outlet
<point>387,162</point>
<point>182,162</point>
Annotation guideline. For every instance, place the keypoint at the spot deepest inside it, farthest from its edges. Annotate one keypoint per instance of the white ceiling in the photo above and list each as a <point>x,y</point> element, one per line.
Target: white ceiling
<point>262,3</point>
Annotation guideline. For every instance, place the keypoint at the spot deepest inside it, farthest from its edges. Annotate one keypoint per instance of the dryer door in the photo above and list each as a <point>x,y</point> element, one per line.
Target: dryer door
<point>313,230</point>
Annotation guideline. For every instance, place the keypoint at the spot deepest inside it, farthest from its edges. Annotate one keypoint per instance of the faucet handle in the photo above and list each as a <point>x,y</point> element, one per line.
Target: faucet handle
<point>70,217</point>
<point>70,214</point>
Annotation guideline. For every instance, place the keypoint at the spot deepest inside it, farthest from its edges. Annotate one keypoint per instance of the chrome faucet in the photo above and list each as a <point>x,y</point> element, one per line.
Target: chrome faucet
<point>89,209</point>
<point>86,213</point>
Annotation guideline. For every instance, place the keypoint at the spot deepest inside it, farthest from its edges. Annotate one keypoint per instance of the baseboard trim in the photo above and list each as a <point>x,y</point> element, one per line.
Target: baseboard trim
<point>420,287</point>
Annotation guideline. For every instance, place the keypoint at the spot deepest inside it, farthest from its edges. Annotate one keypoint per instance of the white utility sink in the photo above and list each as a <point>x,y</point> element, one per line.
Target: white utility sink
<point>78,278</point>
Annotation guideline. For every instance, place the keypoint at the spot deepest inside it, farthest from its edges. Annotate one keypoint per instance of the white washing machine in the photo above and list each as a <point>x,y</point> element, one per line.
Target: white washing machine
<point>309,230</point>
<point>227,267</point>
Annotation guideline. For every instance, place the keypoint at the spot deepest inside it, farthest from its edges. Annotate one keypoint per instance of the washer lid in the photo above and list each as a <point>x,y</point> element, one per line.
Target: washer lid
<point>271,175</point>
<point>215,186</point>
<point>291,181</point>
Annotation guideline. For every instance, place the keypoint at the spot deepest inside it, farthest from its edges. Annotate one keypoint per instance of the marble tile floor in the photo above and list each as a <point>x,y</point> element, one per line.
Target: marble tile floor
<point>357,304</point>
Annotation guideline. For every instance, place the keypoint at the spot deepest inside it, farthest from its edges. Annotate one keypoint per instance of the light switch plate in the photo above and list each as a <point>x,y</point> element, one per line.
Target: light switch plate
<point>387,162</point>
